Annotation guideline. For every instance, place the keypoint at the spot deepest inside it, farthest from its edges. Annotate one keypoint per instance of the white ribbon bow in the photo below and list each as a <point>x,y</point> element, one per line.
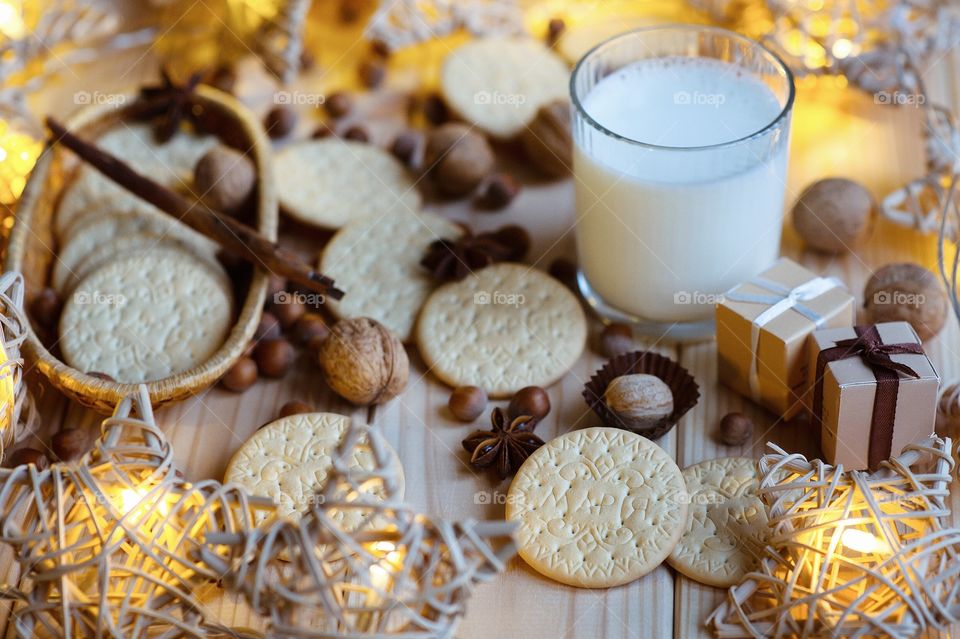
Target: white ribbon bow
<point>782,300</point>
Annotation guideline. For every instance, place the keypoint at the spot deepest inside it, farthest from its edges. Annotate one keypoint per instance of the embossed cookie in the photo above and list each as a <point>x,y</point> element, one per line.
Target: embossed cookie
<point>597,507</point>
<point>499,84</point>
<point>330,182</point>
<point>146,316</point>
<point>171,164</point>
<point>378,261</point>
<point>504,327</point>
<point>289,459</point>
<point>101,239</point>
<point>726,525</point>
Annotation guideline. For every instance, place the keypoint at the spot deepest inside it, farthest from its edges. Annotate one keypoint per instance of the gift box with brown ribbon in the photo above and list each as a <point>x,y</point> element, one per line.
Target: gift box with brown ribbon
<point>762,327</point>
<point>872,392</point>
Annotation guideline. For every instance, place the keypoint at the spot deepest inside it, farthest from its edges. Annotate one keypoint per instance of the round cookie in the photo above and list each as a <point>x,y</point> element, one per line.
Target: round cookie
<point>290,458</point>
<point>597,508</point>
<point>499,84</point>
<point>331,182</point>
<point>101,239</point>
<point>378,261</point>
<point>90,193</point>
<point>726,518</point>
<point>146,316</point>
<point>502,328</point>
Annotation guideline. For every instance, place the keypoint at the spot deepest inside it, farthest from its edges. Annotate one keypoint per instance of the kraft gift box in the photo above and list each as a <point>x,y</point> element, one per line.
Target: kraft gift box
<point>873,392</point>
<point>762,327</point>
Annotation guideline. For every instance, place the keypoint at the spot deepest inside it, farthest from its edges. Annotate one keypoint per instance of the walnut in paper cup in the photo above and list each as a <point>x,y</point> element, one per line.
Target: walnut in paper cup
<point>682,385</point>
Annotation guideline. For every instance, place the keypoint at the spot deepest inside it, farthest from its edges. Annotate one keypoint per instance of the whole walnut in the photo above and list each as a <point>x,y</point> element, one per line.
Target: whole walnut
<point>833,215</point>
<point>548,140</point>
<point>224,178</point>
<point>906,292</point>
<point>363,361</point>
<point>457,158</point>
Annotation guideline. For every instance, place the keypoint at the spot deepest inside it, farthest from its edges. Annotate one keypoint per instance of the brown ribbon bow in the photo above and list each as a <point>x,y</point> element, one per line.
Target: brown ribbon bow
<point>869,346</point>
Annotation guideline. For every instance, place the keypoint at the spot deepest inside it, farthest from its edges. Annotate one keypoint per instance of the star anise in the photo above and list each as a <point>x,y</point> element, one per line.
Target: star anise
<point>451,260</point>
<point>168,104</point>
<point>506,446</point>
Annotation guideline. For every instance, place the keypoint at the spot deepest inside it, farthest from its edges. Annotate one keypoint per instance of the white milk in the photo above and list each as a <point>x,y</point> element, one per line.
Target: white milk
<point>660,232</point>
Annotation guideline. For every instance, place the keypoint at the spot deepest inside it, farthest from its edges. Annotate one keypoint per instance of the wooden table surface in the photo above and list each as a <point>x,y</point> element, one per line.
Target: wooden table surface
<point>835,132</point>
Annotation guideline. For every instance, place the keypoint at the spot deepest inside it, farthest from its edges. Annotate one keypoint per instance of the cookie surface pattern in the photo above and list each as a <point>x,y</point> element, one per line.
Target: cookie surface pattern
<point>331,182</point>
<point>146,316</point>
<point>597,508</point>
<point>726,525</point>
<point>504,327</point>
<point>171,164</point>
<point>499,84</point>
<point>94,242</point>
<point>378,261</point>
<point>290,458</point>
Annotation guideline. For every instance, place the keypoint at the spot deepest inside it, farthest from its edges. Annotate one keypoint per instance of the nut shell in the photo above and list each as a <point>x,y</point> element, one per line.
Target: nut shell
<point>548,140</point>
<point>467,403</point>
<point>531,401</point>
<point>642,401</point>
<point>364,362</point>
<point>224,178</point>
<point>906,292</point>
<point>833,215</point>
<point>457,158</point>
<point>736,429</point>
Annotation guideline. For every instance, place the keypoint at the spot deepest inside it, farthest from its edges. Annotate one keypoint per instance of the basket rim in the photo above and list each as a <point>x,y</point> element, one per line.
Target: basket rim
<point>104,395</point>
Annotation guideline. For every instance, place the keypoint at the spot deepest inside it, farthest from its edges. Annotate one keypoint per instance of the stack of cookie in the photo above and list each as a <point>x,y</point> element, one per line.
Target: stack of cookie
<point>144,295</point>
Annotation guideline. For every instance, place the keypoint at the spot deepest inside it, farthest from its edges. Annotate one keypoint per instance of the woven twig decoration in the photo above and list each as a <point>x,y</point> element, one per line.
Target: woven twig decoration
<point>401,23</point>
<point>16,406</point>
<point>108,545</point>
<point>279,41</point>
<point>398,574</point>
<point>852,554</point>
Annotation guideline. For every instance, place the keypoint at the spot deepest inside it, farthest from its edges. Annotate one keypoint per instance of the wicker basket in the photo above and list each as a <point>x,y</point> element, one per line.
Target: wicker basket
<point>30,252</point>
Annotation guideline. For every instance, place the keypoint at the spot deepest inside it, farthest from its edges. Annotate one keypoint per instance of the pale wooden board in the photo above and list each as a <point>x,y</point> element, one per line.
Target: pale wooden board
<point>836,133</point>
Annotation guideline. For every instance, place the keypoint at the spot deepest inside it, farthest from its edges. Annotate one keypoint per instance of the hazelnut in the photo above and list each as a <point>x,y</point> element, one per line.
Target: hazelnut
<point>405,147</point>
<point>46,307</point>
<point>555,29</point>
<point>497,192</point>
<point>309,326</point>
<point>380,48</point>
<point>531,401</point>
<point>338,104</point>
<point>467,403</point>
<point>23,456</point>
<point>295,408</point>
<point>640,401</point>
<point>515,239</point>
<point>316,342</point>
<point>274,357</point>
<point>287,309</point>
<point>906,292</point>
<point>736,429</point>
<point>833,215</point>
<point>548,141</point>
<point>69,443</point>
<point>372,73</point>
<point>277,284</point>
<point>616,339</point>
<point>435,109</point>
<point>268,328</point>
<point>280,121</point>
<point>356,133</point>
<point>224,177</point>
<point>363,361</point>
<point>241,376</point>
<point>457,158</point>
<point>565,271</point>
<point>323,130</point>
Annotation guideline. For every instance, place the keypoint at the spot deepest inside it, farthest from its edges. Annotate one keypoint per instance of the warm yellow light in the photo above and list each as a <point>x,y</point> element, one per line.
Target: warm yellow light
<point>390,562</point>
<point>842,48</point>
<point>11,20</point>
<point>6,390</point>
<point>18,153</point>
<point>861,541</point>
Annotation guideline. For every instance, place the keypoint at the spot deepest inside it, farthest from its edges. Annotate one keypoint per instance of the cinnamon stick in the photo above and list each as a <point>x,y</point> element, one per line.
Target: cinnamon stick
<point>233,236</point>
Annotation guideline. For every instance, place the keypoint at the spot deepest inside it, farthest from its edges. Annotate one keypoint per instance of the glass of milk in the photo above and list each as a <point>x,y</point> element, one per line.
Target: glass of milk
<point>680,158</point>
